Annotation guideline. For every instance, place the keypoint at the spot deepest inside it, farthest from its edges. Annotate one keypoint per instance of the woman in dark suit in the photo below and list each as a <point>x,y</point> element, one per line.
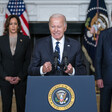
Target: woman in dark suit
<point>15,53</point>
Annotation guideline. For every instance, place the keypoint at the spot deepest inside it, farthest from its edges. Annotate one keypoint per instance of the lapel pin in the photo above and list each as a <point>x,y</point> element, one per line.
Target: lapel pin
<point>21,40</point>
<point>68,45</point>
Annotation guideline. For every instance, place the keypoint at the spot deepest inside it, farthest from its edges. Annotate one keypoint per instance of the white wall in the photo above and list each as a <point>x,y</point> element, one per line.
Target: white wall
<point>40,10</point>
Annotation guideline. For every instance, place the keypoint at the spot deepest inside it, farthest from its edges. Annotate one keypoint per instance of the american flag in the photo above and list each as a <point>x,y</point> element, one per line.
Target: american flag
<point>17,7</point>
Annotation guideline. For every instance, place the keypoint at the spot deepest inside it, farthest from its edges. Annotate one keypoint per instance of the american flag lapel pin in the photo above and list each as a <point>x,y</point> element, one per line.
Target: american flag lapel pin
<point>21,40</point>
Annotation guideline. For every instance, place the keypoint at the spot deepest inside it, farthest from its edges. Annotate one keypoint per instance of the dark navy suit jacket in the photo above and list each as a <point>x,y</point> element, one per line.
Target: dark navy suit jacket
<point>43,52</point>
<point>103,57</point>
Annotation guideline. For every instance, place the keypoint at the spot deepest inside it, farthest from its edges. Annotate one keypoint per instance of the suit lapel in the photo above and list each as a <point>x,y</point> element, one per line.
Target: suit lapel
<point>18,44</point>
<point>49,48</point>
<point>110,38</point>
<point>67,47</point>
<point>7,45</point>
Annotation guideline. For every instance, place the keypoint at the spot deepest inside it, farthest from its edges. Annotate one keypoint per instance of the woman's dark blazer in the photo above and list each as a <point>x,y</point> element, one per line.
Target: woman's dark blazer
<point>17,64</point>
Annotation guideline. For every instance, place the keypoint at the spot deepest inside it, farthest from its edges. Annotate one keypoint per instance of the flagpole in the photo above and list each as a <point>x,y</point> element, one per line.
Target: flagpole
<point>97,21</point>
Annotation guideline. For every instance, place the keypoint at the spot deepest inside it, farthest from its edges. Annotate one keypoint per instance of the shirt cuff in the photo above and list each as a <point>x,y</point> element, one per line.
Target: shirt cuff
<point>73,73</point>
<point>41,72</point>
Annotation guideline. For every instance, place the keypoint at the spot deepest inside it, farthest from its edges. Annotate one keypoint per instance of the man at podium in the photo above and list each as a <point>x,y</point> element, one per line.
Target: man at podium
<point>57,54</point>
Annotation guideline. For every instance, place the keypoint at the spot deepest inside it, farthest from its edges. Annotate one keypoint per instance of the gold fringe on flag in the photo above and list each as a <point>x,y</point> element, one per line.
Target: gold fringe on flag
<point>88,58</point>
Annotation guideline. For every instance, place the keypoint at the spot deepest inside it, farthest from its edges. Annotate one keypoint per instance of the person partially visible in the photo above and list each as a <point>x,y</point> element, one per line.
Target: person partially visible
<point>44,59</point>
<point>15,54</point>
<point>103,67</point>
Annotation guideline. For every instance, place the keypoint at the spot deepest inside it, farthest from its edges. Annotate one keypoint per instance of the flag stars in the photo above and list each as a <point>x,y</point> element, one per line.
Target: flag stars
<point>16,7</point>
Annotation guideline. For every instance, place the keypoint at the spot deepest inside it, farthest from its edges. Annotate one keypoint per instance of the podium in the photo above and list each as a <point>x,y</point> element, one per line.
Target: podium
<point>61,94</point>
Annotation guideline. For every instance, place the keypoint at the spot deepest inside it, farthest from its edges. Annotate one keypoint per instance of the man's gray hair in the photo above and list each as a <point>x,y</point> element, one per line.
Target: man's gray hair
<point>58,15</point>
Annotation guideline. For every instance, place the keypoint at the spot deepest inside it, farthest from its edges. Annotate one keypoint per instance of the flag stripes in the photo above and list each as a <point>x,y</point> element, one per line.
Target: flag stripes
<point>17,7</point>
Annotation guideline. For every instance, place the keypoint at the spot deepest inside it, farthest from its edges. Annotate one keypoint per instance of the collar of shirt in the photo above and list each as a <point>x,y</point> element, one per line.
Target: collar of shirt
<point>61,45</point>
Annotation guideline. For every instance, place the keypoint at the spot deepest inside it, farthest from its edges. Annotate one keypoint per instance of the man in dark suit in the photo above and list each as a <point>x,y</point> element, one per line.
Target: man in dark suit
<point>42,62</point>
<point>104,69</point>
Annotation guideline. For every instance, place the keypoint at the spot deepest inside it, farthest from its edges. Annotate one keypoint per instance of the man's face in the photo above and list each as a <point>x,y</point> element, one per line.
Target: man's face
<point>57,27</point>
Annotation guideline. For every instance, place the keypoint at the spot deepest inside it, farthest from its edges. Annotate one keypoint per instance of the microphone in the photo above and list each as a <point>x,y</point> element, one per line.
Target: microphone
<point>65,60</point>
<point>55,60</point>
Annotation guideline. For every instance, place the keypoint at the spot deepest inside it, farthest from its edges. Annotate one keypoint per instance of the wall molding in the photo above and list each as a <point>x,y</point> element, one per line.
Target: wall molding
<point>40,10</point>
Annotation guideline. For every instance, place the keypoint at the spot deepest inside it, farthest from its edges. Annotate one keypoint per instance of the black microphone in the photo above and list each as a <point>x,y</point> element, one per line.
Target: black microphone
<point>55,60</point>
<point>65,60</point>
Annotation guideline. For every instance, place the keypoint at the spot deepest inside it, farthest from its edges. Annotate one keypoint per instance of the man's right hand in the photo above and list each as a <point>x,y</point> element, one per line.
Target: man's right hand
<point>99,83</point>
<point>47,67</point>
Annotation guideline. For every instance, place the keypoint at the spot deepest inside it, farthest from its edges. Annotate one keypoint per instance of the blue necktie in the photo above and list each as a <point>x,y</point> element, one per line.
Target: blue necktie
<point>57,49</point>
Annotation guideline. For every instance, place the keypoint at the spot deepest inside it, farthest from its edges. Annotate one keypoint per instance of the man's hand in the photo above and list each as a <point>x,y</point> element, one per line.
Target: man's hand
<point>99,83</point>
<point>47,67</point>
<point>69,69</point>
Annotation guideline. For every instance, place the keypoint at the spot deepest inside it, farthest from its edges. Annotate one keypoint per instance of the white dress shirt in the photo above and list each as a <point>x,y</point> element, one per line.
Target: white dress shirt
<point>61,46</point>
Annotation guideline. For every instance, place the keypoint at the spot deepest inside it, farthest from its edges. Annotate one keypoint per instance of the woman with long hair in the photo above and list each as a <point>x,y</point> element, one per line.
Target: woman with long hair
<point>15,53</point>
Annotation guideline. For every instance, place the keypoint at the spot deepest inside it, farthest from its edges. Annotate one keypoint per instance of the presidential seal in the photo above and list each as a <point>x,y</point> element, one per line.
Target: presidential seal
<point>95,23</point>
<point>61,97</point>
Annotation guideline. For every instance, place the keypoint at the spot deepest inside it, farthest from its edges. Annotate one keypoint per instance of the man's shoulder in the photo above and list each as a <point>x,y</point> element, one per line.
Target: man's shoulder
<point>42,41</point>
<point>108,30</point>
<point>73,41</point>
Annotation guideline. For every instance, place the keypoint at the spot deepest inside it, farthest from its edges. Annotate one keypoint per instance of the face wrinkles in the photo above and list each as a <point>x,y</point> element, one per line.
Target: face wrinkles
<point>13,26</point>
<point>57,27</point>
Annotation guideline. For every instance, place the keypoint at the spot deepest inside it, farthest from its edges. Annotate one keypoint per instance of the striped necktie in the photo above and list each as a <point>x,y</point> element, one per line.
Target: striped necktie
<point>57,49</point>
